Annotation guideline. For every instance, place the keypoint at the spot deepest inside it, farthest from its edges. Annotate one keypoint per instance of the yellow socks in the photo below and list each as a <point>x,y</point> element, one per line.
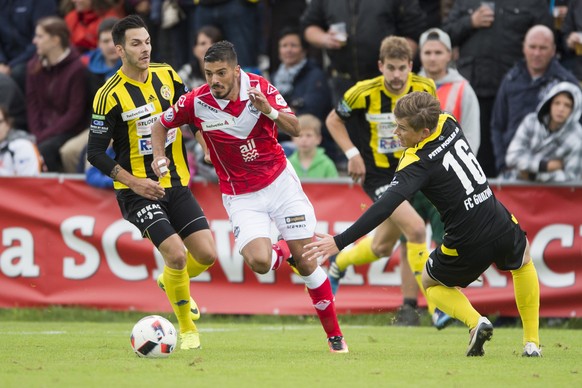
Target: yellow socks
<point>360,253</point>
<point>194,267</point>
<point>527,297</point>
<point>454,303</point>
<point>177,286</point>
<point>417,257</point>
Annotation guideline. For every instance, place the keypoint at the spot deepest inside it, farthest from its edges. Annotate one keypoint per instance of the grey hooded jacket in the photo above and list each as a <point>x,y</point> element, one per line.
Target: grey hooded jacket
<point>534,144</point>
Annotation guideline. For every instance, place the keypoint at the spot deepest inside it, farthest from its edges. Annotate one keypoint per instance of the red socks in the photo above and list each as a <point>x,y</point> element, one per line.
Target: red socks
<point>324,304</point>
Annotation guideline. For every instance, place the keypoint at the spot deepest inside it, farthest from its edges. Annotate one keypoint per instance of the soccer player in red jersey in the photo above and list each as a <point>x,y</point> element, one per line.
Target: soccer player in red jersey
<point>237,116</point>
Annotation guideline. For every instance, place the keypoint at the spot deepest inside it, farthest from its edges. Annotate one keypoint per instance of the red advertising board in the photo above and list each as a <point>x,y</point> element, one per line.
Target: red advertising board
<point>65,243</point>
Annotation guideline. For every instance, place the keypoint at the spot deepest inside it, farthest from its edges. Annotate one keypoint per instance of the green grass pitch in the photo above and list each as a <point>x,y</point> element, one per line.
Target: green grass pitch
<point>82,349</point>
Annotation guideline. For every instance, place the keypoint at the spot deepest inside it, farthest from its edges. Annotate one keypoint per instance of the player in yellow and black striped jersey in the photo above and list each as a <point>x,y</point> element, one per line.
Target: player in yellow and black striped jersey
<point>363,126</point>
<point>124,110</point>
<point>165,211</point>
<point>480,231</point>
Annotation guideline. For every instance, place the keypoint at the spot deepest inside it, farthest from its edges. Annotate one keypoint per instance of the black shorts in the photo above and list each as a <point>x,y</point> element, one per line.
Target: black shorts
<point>462,266</point>
<point>177,212</point>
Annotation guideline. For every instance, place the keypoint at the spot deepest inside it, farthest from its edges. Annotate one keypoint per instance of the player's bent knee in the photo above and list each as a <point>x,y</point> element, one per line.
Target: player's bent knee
<point>175,258</point>
<point>258,266</point>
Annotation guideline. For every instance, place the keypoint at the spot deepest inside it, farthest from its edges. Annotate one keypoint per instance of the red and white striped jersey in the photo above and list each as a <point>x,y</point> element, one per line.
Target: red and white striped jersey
<point>242,142</point>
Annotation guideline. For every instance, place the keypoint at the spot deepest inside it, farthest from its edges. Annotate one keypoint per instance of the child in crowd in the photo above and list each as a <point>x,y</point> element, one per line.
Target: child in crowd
<point>309,160</point>
<point>547,146</point>
<point>18,153</point>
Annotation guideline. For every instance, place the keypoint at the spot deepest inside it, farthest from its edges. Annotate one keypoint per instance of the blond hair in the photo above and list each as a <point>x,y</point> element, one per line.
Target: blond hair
<point>309,121</point>
<point>395,47</point>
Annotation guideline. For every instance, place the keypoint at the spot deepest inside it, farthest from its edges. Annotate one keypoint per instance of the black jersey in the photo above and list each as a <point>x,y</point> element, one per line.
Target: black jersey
<point>445,169</point>
<point>124,110</point>
<point>367,108</point>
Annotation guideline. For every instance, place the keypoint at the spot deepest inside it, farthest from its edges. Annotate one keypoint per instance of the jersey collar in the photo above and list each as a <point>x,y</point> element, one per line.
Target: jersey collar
<point>245,84</point>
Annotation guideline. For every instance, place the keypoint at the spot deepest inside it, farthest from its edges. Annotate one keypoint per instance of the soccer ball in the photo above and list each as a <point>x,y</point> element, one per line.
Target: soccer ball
<point>153,337</point>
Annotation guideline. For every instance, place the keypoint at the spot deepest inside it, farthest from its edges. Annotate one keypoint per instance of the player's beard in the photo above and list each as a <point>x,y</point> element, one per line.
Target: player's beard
<point>396,85</point>
<point>221,93</point>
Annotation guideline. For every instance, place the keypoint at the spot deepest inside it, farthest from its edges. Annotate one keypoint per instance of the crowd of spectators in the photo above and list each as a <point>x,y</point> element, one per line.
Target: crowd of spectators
<point>494,62</point>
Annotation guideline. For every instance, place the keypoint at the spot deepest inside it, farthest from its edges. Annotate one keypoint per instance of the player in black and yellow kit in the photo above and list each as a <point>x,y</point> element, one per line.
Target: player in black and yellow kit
<point>164,210</point>
<point>363,126</point>
<point>479,230</point>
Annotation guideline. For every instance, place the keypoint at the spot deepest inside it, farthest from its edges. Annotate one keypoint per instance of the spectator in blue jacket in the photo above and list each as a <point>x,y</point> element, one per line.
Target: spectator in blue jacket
<point>18,20</point>
<point>523,87</point>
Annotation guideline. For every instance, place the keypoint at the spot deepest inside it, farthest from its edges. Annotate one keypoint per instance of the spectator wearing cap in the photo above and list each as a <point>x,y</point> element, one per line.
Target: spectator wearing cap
<point>453,90</point>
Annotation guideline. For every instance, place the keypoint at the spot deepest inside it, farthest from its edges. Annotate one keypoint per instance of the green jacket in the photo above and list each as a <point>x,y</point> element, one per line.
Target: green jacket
<point>321,167</point>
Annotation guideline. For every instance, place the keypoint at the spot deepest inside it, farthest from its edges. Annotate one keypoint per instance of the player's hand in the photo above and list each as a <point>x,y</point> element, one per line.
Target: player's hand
<point>259,100</point>
<point>148,188</point>
<point>324,247</point>
<point>357,169</point>
<point>160,166</point>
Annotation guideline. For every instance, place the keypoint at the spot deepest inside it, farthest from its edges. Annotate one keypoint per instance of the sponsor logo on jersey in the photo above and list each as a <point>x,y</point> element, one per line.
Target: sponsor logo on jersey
<point>98,129</point>
<point>445,143</point>
<point>343,109</point>
<point>204,105</point>
<point>280,100</point>
<point>218,124</point>
<point>138,112</point>
<point>144,145</point>
<point>166,92</point>
<point>144,126</point>
<point>249,151</point>
<point>98,124</point>
<point>151,98</point>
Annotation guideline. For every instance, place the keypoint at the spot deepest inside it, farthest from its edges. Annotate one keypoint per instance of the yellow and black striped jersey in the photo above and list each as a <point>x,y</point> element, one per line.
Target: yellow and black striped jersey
<point>367,108</point>
<point>124,111</point>
<point>445,169</point>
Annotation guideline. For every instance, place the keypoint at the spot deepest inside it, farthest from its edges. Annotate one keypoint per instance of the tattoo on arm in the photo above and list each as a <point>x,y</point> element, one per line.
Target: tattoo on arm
<point>115,171</point>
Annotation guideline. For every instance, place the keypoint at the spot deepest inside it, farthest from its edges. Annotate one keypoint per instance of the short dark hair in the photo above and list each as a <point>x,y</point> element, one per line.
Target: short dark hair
<point>294,31</point>
<point>127,23</point>
<point>107,25</point>
<point>210,31</point>
<point>419,109</point>
<point>221,51</point>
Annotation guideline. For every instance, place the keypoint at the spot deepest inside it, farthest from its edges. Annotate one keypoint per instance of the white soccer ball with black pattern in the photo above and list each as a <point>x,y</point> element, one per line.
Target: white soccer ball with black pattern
<point>153,337</point>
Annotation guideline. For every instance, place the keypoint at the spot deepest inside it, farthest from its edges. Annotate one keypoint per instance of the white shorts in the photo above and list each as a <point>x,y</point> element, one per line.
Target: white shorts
<point>282,202</point>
